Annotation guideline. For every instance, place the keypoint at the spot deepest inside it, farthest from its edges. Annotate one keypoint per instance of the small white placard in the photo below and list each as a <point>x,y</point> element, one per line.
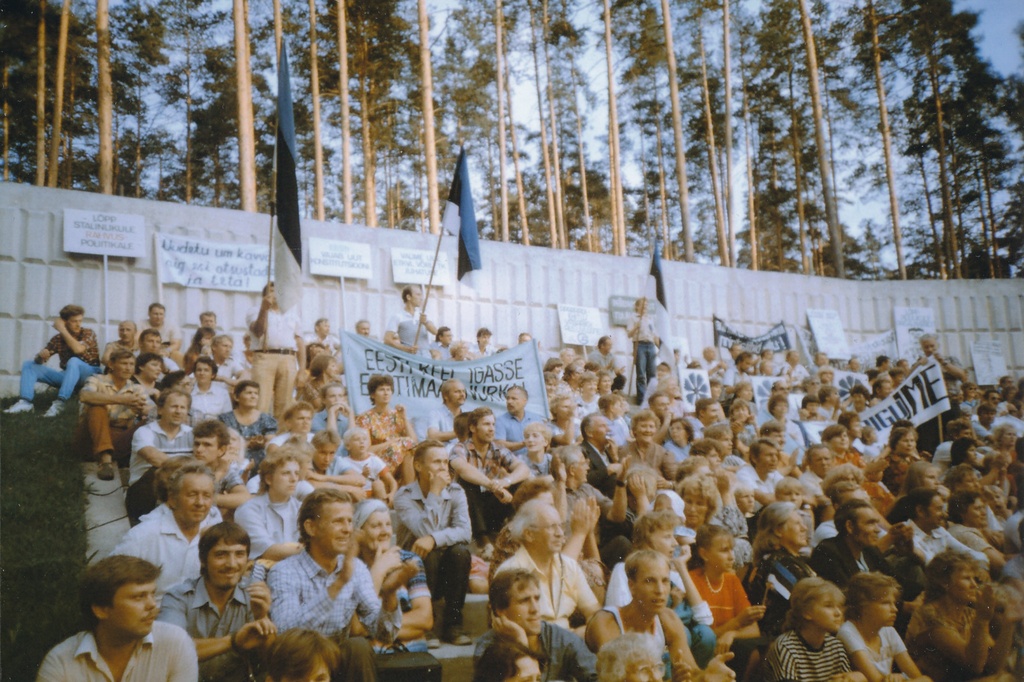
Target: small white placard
<point>829,333</point>
<point>412,266</point>
<point>104,234</point>
<point>911,324</point>
<point>340,259</point>
<point>580,325</point>
<point>989,363</point>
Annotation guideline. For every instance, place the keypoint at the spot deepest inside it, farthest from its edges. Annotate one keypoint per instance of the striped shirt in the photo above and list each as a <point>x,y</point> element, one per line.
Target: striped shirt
<point>152,435</point>
<point>791,659</point>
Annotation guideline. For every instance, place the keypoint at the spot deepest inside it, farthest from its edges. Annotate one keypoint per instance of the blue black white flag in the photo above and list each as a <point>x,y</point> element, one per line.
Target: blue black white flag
<point>658,307</point>
<point>459,218</point>
<point>287,233</point>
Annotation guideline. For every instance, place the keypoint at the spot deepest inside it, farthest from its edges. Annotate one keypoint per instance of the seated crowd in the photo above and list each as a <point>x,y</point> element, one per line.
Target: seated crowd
<point>277,535</point>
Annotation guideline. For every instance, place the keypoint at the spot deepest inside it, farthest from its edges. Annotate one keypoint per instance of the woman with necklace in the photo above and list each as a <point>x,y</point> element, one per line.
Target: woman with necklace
<point>257,428</point>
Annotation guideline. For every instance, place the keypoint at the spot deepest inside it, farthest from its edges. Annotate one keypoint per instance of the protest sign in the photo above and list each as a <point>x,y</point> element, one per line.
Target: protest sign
<point>580,325</point>
<point>807,345</point>
<point>762,389</point>
<point>340,259</point>
<point>418,380</point>
<point>212,265</point>
<point>845,380</point>
<point>412,266</point>
<point>910,325</point>
<point>104,234</point>
<point>1017,424</point>
<point>775,338</point>
<point>828,332</point>
<point>812,431</point>
<point>620,310</point>
<point>867,351</point>
<point>921,397</point>
<point>989,363</point>
<point>695,385</point>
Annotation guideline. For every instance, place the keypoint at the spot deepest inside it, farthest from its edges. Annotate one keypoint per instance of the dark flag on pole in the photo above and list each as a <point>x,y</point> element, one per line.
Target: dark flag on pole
<point>287,237</point>
<point>655,294</point>
<point>460,218</point>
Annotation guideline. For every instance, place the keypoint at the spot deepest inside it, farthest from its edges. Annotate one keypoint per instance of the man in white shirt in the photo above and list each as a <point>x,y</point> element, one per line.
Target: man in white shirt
<point>400,331</point>
<point>276,342</point>
<point>930,534</point>
<point>123,642</point>
<point>157,320</point>
<point>322,335</point>
<point>229,370</point>
<point>441,423</point>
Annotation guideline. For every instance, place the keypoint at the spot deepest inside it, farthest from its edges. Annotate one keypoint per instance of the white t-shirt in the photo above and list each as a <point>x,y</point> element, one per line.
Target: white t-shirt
<point>343,465</point>
<point>282,328</point>
<point>748,476</point>
<point>891,647</point>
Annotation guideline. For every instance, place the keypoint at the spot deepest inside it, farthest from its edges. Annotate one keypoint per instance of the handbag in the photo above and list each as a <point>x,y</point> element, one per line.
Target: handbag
<point>398,664</point>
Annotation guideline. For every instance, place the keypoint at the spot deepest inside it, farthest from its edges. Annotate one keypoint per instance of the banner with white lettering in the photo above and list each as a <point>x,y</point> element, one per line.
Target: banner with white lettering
<point>828,332</point>
<point>989,363</point>
<point>580,325</point>
<point>104,234</point>
<point>212,265</point>
<point>418,380</point>
<point>776,338</point>
<point>695,385</point>
<point>921,397</point>
<point>911,324</point>
<point>867,351</point>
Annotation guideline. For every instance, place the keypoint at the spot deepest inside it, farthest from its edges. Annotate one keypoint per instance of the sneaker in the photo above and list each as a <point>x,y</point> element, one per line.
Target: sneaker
<point>20,406</point>
<point>457,638</point>
<point>107,471</point>
<point>56,407</point>
<point>432,641</point>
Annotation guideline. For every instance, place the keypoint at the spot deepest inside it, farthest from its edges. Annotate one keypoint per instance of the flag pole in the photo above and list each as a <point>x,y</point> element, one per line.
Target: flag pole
<point>273,179</point>
<point>433,267</point>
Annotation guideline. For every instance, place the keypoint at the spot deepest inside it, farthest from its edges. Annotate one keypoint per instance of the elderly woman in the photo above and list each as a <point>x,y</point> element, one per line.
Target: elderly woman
<point>643,449</point>
<point>703,505</point>
<point>778,565</point>
<point>951,636</point>
<point>392,437</point>
<point>647,572</point>
<point>656,531</point>
<point>371,524</point>
<point>630,658</point>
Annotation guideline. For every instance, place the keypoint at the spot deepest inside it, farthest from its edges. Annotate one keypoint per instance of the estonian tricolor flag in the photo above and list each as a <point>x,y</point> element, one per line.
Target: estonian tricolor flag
<point>460,218</point>
<point>287,235</point>
<point>655,294</point>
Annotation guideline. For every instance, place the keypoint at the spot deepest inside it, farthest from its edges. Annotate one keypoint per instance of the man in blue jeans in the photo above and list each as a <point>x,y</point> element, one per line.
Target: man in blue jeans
<point>79,359</point>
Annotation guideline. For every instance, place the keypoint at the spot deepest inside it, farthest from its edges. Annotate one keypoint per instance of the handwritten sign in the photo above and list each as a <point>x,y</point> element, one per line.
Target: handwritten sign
<point>911,324</point>
<point>580,325</point>
<point>989,363</point>
<point>775,338</point>
<point>212,265</point>
<point>412,266</point>
<point>620,310</point>
<point>921,397</point>
<point>340,259</point>
<point>868,351</point>
<point>828,332</point>
<point>104,234</point>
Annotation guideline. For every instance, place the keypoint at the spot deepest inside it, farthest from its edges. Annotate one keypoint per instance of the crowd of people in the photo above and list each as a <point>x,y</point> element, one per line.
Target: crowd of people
<point>275,534</point>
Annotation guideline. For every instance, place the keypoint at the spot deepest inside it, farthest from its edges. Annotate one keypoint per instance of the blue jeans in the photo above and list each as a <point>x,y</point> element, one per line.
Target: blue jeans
<point>67,381</point>
<point>646,365</point>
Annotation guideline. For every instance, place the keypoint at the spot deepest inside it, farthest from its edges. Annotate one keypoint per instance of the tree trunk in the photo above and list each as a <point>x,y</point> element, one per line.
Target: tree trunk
<point>7,123</point>
<point>41,96</point>
<point>556,171</point>
<point>940,252</point>
<point>548,183</point>
<point>346,123</point>
<point>747,133</point>
<point>428,118</point>
<point>984,224</point>
<point>104,97</point>
<point>618,203</point>
<point>53,167</point>
<point>798,173</point>
<point>832,216</point>
<point>369,162</point>
<point>499,51</point>
<point>314,87</point>
<point>662,191</point>
<point>582,160</point>
<point>991,215</point>
<point>709,129</point>
<point>727,83</point>
<point>520,189</point>
<point>947,201</point>
<point>883,115</point>
<point>677,130</point>
<point>246,124</point>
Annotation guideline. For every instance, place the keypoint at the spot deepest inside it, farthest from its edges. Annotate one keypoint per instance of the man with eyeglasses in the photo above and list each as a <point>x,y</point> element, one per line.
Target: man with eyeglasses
<point>515,596</point>
<point>538,528</point>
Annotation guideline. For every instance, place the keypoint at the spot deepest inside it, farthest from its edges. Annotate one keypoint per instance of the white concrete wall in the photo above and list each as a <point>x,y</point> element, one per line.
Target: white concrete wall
<point>518,289</point>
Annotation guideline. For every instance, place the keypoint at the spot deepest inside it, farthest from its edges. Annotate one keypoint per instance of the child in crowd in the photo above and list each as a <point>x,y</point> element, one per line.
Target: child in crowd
<point>322,471</point>
<point>868,634</point>
<point>809,408</point>
<point>380,482</point>
<point>537,437</point>
<point>809,649</point>
<point>869,438</point>
<point>298,423</point>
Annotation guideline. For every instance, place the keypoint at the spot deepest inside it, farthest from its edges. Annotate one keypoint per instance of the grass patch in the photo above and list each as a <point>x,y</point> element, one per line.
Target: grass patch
<point>42,543</point>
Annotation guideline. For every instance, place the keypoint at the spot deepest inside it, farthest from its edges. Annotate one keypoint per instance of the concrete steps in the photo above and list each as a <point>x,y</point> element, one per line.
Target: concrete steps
<point>106,519</point>
<point>457,661</point>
